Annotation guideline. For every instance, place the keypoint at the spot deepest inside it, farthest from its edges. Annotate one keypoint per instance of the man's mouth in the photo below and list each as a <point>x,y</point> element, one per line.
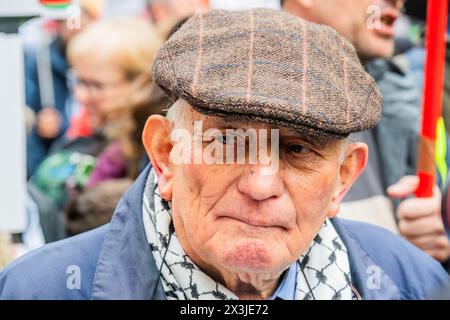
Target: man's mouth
<point>261,224</point>
<point>387,20</point>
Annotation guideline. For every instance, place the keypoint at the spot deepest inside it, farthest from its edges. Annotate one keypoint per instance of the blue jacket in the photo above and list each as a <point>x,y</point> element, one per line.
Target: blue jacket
<point>401,118</point>
<point>115,262</point>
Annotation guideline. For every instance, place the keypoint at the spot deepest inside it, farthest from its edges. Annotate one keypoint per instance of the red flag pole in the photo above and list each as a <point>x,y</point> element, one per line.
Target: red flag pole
<point>432,94</point>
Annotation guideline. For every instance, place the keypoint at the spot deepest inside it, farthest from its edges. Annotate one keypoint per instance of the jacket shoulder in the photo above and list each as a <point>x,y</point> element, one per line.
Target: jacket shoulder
<point>61,270</point>
<point>416,274</point>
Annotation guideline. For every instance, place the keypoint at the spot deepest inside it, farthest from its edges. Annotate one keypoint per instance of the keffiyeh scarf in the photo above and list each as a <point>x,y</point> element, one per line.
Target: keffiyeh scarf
<point>323,271</point>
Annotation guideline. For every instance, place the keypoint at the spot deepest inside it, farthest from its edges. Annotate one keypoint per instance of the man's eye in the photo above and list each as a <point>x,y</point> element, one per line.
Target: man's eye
<point>297,149</point>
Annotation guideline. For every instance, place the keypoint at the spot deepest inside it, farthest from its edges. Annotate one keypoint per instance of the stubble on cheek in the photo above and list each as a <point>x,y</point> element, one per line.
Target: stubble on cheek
<point>196,192</point>
<point>313,201</point>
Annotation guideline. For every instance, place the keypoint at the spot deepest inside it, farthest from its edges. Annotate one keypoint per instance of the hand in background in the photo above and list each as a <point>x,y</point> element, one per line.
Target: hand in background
<point>420,220</point>
<point>48,123</point>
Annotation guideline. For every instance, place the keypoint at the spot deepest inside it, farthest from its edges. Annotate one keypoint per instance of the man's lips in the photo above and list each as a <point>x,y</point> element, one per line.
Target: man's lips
<point>388,18</point>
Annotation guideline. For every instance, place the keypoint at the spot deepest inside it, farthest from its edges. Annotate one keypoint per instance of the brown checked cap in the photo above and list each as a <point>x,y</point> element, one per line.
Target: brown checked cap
<point>267,65</point>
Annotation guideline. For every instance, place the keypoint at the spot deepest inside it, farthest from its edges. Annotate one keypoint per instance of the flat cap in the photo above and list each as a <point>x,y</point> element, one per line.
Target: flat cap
<point>267,65</point>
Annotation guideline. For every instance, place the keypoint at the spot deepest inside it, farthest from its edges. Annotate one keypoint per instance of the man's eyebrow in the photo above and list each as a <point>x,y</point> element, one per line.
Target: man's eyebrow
<point>224,123</point>
<point>314,141</point>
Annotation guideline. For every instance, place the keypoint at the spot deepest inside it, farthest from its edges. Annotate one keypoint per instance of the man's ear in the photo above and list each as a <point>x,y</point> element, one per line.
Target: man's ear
<point>157,143</point>
<point>356,155</point>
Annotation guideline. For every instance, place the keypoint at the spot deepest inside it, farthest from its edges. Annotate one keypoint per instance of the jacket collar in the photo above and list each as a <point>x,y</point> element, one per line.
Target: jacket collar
<point>368,278</point>
<point>126,268</point>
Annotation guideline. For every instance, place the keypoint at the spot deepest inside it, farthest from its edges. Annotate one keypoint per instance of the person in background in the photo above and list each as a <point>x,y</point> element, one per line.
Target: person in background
<point>95,206</point>
<point>168,14</point>
<point>115,88</point>
<point>369,25</point>
<point>45,45</point>
<point>125,156</point>
<point>111,62</point>
<point>116,166</point>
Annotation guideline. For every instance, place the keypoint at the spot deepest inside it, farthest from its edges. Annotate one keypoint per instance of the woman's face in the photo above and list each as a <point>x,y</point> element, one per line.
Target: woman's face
<point>100,86</point>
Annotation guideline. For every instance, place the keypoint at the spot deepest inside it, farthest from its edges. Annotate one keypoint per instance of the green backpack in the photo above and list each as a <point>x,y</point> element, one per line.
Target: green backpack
<point>62,172</point>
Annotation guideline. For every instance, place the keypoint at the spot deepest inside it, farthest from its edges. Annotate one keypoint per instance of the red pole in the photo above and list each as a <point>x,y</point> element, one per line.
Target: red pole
<point>432,94</point>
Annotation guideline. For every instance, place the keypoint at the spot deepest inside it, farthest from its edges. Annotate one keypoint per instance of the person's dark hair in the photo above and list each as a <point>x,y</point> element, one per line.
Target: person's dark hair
<point>95,206</point>
<point>155,103</point>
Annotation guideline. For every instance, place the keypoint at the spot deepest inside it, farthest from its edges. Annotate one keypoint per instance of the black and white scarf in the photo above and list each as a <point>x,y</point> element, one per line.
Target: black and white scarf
<point>323,271</point>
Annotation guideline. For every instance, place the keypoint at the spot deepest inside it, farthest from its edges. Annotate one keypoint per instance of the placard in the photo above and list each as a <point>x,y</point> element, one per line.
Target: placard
<point>12,136</point>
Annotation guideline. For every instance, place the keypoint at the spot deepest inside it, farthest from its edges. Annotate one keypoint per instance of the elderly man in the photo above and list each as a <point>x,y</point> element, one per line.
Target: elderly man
<point>207,221</point>
<point>369,25</point>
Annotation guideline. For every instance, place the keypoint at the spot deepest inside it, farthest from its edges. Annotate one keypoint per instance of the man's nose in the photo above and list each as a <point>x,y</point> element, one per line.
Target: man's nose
<point>259,185</point>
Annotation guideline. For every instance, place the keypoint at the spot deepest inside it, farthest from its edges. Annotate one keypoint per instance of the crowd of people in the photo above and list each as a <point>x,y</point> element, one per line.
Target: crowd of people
<point>96,124</point>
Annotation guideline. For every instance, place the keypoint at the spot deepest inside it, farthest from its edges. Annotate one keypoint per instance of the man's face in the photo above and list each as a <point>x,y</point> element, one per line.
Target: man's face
<point>368,24</point>
<point>237,218</point>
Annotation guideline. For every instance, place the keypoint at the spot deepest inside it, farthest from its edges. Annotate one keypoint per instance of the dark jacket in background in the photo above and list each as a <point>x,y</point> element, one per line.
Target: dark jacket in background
<point>398,130</point>
<point>392,147</point>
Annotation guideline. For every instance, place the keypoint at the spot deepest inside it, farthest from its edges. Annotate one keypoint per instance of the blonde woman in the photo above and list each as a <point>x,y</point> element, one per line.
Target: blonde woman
<point>111,61</point>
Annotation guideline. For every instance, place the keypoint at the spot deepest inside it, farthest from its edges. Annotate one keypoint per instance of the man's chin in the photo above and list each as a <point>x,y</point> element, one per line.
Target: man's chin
<point>250,255</point>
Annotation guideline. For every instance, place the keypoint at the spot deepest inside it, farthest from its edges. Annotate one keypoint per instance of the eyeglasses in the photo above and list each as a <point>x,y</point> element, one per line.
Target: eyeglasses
<point>96,87</point>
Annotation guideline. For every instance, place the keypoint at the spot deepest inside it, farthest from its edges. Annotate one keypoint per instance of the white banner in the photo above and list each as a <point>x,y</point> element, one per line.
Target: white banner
<point>12,136</point>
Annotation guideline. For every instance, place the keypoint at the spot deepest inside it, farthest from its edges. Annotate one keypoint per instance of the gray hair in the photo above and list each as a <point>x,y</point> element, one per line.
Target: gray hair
<point>178,113</point>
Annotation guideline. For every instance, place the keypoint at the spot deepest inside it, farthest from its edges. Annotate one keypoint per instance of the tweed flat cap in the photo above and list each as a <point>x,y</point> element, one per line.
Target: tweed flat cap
<point>267,65</point>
